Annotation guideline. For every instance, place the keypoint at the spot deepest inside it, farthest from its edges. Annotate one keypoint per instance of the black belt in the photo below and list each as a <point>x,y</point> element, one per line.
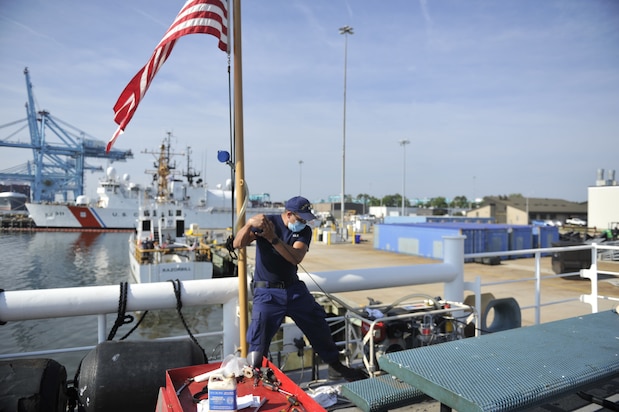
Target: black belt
<point>271,285</point>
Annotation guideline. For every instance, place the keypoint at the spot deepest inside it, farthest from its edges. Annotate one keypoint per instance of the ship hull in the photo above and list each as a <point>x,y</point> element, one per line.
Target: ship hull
<point>57,216</point>
<point>81,217</point>
<point>164,271</point>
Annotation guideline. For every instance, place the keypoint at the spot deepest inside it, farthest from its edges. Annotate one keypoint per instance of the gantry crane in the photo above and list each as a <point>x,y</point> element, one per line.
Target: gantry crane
<point>56,168</point>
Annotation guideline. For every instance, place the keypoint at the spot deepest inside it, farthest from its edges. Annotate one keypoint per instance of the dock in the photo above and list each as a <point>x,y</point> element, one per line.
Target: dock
<point>16,221</point>
<point>21,222</point>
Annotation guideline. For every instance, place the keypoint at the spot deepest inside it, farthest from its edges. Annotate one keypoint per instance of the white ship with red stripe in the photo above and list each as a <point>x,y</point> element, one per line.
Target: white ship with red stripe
<point>119,200</point>
<point>81,217</point>
<point>116,207</point>
<point>213,211</point>
<point>118,203</point>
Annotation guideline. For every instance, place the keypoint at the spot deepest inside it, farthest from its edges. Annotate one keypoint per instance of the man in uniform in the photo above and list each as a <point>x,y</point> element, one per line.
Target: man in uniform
<point>281,244</point>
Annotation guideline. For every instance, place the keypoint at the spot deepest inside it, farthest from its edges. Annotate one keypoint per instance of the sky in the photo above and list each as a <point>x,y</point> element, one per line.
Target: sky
<point>495,97</point>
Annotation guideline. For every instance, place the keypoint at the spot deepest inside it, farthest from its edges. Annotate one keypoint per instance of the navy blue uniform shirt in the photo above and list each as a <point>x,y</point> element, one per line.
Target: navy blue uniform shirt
<point>270,265</point>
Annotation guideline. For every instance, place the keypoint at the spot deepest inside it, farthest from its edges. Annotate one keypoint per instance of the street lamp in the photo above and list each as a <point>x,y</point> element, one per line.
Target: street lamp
<point>346,30</point>
<point>300,175</point>
<point>403,143</point>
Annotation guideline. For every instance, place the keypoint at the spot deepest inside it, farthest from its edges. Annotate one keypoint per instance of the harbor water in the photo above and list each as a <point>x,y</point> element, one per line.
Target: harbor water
<point>46,260</point>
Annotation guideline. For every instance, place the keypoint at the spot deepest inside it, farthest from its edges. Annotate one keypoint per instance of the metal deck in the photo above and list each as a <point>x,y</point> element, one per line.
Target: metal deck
<point>381,393</point>
<point>513,369</point>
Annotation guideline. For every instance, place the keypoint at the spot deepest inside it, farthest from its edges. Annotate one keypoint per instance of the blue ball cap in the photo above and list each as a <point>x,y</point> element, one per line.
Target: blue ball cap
<point>301,207</point>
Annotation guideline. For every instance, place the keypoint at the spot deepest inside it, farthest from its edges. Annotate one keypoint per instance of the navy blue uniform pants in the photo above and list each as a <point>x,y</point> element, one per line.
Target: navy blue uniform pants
<point>271,305</point>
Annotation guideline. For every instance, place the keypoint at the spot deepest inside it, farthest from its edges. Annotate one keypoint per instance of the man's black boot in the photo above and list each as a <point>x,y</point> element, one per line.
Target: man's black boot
<point>338,371</point>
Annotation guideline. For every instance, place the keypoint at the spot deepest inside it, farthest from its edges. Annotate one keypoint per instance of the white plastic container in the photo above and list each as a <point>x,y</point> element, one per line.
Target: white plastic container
<point>222,393</point>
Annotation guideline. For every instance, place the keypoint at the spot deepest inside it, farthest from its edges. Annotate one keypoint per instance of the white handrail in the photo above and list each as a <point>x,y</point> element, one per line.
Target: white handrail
<point>102,300</point>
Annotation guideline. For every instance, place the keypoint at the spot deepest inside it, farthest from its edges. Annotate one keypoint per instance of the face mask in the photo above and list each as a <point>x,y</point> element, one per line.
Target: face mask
<point>296,226</point>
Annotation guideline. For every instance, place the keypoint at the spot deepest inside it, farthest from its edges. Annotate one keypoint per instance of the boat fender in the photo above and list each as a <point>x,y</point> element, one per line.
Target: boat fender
<point>501,314</point>
<point>126,375</point>
<point>33,385</point>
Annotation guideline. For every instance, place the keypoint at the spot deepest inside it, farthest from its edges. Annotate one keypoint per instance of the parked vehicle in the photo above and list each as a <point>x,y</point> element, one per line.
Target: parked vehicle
<point>576,221</point>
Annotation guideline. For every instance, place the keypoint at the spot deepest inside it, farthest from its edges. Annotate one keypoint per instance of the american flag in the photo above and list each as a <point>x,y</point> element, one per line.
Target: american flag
<point>196,16</point>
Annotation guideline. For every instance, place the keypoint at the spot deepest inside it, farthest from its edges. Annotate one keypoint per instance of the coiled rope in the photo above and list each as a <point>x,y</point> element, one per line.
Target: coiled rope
<point>176,284</point>
<point>121,317</point>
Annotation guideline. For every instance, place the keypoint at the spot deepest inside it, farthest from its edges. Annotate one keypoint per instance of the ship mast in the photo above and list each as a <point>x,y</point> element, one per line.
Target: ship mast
<point>190,173</point>
<point>163,173</point>
<point>239,168</point>
<point>163,169</point>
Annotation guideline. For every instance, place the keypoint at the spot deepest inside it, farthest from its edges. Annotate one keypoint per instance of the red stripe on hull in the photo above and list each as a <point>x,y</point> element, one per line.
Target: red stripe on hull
<point>85,217</point>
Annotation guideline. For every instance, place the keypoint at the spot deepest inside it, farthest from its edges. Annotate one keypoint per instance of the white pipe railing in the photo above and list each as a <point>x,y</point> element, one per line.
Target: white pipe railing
<point>103,300</point>
<point>590,273</point>
<point>451,273</point>
<point>95,300</point>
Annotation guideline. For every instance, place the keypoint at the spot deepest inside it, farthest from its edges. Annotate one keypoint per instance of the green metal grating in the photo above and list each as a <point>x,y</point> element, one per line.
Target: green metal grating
<point>513,369</point>
<point>381,393</point>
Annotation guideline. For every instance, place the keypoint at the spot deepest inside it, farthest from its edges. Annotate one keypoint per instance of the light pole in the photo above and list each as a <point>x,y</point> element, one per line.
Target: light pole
<point>346,30</point>
<point>300,175</point>
<point>403,143</point>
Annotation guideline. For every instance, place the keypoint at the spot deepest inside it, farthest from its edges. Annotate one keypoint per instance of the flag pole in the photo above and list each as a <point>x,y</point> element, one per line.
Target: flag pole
<point>239,167</point>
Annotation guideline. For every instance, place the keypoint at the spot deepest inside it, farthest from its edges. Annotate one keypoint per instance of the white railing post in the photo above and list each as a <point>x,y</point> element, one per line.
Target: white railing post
<point>101,328</point>
<point>538,288</point>
<point>231,328</point>
<point>454,256</point>
<point>591,274</point>
<point>475,287</point>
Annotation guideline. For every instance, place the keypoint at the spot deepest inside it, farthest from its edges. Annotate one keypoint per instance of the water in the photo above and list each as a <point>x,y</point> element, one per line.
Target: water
<point>45,260</point>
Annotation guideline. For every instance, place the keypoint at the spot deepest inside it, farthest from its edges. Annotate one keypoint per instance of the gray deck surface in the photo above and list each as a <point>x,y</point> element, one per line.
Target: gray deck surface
<point>513,369</point>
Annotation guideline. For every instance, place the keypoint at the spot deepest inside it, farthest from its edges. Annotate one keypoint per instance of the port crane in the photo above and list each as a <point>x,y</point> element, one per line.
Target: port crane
<point>56,168</point>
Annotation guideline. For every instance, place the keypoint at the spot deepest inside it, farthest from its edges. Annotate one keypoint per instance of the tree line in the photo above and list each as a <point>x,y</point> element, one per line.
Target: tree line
<point>395,200</point>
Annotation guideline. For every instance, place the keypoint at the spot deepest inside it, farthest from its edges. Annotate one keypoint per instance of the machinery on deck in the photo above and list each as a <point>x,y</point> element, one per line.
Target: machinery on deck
<point>410,322</point>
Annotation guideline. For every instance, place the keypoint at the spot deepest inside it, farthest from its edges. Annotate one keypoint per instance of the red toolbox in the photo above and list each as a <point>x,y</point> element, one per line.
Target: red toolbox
<point>168,401</point>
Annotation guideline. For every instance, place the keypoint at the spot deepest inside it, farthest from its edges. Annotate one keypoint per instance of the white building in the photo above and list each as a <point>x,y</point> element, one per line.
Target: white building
<point>603,202</point>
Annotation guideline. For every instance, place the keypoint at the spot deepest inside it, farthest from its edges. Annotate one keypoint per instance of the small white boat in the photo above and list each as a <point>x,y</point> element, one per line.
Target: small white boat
<point>161,248</point>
